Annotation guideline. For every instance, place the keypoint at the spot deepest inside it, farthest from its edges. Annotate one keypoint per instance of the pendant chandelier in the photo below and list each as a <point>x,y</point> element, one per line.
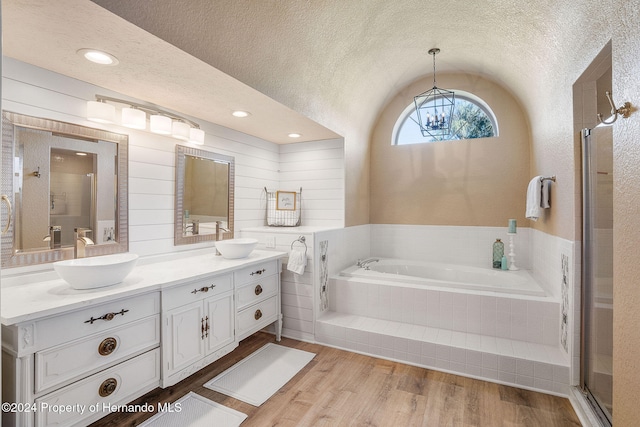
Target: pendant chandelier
<point>434,108</point>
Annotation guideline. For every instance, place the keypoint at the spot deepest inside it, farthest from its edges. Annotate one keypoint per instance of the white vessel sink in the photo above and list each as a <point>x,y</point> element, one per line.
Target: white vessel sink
<point>96,272</point>
<point>236,248</point>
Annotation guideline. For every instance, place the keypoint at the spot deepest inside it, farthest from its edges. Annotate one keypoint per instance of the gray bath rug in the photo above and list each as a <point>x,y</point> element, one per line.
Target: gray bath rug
<point>257,377</point>
<point>193,410</point>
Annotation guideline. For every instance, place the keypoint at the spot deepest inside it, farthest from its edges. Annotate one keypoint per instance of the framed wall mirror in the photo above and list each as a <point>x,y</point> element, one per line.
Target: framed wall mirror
<point>61,178</point>
<point>204,196</point>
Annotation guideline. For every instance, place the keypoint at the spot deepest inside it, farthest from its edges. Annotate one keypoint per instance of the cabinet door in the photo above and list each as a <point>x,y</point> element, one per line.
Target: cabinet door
<point>184,342</point>
<point>221,318</point>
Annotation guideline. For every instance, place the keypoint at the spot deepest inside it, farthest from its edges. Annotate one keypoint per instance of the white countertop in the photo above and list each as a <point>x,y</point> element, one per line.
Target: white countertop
<point>40,295</point>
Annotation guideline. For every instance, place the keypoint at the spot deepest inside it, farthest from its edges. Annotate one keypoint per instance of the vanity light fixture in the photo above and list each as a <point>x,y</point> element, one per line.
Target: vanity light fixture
<point>434,107</point>
<point>98,56</point>
<point>134,118</point>
<point>101,112</point>
<point>134,115</point>
<point>196,136</point>
<point>160,124</point>
<point>180,130</point>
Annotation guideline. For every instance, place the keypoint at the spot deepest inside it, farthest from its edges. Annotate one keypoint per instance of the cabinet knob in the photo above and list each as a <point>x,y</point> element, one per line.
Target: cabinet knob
<point>258,290</point>
<point>107,387</point>
<point>107,346</point>
<point>258,314</point>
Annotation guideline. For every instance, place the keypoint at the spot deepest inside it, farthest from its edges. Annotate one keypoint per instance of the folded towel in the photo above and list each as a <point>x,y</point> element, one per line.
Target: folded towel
<point>544,201</point>
<point>534,195</point>
<point>297,261</point>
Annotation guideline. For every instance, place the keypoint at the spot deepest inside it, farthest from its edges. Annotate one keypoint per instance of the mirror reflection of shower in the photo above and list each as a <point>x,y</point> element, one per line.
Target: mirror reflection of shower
<point>72,192</point>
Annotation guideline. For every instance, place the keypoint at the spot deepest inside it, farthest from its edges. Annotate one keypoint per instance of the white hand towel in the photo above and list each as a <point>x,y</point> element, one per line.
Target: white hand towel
<point>544,202</point>
<point>534,194</point>
<point>297,261</point>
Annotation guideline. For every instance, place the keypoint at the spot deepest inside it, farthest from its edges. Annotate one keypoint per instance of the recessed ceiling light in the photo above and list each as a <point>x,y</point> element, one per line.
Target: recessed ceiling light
<point>240,113</point>
<point>294,135</point>
<point>98,56</point>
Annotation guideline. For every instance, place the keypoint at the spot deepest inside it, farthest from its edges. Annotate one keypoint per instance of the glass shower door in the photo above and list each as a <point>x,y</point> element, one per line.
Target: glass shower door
<point>597,269</point>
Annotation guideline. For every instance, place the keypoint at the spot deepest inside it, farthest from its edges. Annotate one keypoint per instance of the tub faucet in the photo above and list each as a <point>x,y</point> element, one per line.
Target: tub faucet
<point>364,263</point>
<point>82,241</point>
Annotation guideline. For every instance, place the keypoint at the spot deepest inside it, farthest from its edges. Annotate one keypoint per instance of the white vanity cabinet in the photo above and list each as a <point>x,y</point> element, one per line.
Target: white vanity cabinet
<point>198,326</point>
<point>69,357</point>
<point>205,319</point>
<point>258,298</point>
<point>106,354</point>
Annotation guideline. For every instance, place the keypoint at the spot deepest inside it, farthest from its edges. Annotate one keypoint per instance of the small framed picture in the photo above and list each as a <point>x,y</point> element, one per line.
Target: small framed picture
<point>286,200</point>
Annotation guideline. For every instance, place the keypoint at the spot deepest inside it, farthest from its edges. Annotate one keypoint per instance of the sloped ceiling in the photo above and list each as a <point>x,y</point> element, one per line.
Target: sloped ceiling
<point>315,59</point>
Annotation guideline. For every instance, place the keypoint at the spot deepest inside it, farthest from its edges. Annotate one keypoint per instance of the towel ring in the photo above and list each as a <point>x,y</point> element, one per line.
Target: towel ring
<point>302,240</point>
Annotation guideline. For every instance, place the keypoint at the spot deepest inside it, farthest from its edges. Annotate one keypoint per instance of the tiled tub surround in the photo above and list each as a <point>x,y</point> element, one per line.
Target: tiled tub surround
<point>497,337</point>
<point>511,339</point>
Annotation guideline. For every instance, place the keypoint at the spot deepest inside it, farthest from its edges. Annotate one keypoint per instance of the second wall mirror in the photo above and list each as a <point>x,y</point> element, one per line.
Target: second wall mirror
<point>204,196</point>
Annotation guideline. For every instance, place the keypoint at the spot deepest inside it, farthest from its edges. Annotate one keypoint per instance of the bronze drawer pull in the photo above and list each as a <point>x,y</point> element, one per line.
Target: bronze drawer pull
<point>258,314</point>
<point>107,387</point>
<point>204,327</point>
<point>203,289</point>
<point>107,317</point>
<point>258,290</point>
<point>258,272</point>
<point>107,346</point>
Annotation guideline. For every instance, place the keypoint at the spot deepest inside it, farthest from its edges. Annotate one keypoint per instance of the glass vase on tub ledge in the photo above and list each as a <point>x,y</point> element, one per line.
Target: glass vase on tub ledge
<point>498,253</point>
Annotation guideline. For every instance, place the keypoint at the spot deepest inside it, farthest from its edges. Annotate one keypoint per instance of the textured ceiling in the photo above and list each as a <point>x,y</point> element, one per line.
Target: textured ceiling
<point>318,59</point>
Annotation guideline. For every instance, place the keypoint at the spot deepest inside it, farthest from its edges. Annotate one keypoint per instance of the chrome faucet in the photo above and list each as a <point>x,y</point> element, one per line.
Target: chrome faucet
<point>364,263</point>
<point>82,241</point>
<point>195,227</point>
<point>219,235</point>
<point>54,237</point>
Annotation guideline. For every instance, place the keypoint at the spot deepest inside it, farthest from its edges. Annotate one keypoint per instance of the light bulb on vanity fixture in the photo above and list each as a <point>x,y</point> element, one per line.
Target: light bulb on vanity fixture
<point>134,116</point>
<point>101,112</point>
<point>196,136</point>
<point>160,124</point>
<point>180,130</point>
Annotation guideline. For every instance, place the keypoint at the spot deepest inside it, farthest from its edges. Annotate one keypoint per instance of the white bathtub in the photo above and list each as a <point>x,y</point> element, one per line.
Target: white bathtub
<point>422,273</point>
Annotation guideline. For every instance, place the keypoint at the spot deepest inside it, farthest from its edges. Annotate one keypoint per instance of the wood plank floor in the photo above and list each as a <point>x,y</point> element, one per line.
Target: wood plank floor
<point>340,388</point>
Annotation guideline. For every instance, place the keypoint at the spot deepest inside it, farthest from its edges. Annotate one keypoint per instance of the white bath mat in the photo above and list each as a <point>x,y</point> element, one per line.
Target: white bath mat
<point>257,377</point>
<point>193,410</point>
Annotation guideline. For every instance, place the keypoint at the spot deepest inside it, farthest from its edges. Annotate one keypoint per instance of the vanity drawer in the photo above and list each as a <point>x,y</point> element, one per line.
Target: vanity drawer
<point>196,291</point>
<point>72,360</point>
<point>256,291</point>
<point>117,385</point>
<point>257,316</point>
<point>255,272</point>
<point>53,331</point>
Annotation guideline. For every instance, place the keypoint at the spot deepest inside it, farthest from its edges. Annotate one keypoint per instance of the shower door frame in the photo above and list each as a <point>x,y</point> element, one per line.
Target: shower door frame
<point>586,267</point>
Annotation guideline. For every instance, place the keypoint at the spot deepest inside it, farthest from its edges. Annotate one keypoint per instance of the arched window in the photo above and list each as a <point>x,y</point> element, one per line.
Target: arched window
<point>472,118</point>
